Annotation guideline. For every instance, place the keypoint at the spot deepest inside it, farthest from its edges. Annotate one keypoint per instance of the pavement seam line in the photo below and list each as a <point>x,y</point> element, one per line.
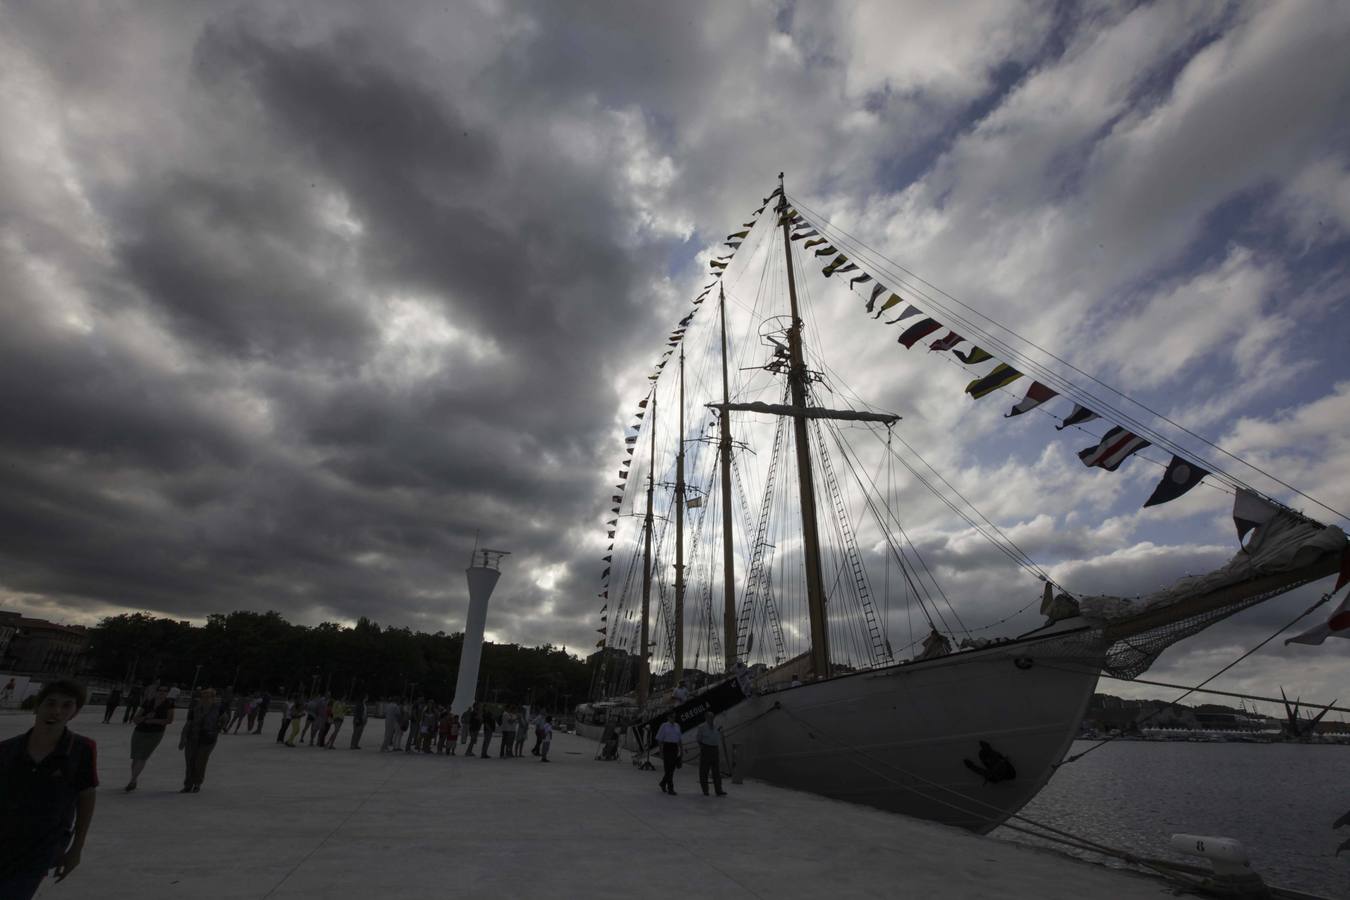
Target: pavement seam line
<point>335,829</point>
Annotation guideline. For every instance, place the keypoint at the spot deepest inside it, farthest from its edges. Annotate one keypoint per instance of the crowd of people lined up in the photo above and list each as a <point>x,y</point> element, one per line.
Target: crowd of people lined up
<point>411,726</point>
<point>48,775</point>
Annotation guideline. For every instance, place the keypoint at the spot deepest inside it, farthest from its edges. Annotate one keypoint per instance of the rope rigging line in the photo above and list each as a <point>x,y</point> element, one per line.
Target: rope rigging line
<point>897,551</point>
<point>882,263</point>
<point>1172,703</point>
<point>1311,704</point>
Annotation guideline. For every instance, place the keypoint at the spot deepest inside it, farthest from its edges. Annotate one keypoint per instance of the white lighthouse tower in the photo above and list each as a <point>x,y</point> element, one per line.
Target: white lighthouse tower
<point>482,573</point>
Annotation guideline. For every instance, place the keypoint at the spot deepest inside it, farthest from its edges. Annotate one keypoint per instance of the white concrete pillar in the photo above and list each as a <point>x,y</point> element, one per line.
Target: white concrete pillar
<point>482,579</point>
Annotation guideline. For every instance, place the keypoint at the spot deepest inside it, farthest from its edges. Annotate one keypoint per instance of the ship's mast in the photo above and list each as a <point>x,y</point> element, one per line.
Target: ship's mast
<point>644,664</point>
<point>678,674</point>
<point>797,381</point>
<point>724,456</point>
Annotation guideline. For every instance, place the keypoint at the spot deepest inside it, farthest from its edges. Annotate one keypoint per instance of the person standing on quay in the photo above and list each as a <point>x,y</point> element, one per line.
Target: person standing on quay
<point>392,712</point>
<point>311,713</point>
<point>48,781</point>
<point>508,733</point>
<point>547,739</point>
<point>489,726</point>
<point>286,717</point>
<point>475,723</point>
<point>538,734</point>
<point>295,714</point>
<point>264,702</point>
<point>114,698</point>
<point>198,739</point>
<point>320,720</point>
<point>522,729</point>
<point>669,736</point>
<point>134,698</point>
<point>709,760</point>
<point>150,724</point>
<point>359,715</point>
<point>337,712</point>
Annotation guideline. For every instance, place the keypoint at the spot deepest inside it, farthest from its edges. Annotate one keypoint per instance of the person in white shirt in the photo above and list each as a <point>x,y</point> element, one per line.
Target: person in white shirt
<point>681,693</point>
<point>669,736</point>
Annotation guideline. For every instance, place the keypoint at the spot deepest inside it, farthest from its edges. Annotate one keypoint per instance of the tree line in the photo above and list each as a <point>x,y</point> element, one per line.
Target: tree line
<point>253,651</point>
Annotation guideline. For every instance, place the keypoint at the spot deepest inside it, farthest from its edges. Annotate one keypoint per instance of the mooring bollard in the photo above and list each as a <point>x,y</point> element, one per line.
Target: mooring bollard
<point>1233,875</point>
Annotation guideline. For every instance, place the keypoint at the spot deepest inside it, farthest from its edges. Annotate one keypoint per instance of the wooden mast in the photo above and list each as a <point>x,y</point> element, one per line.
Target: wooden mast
<point>797,381</point>
<point>724,457</point>
<point>678,674</point>
<point>644,663</point>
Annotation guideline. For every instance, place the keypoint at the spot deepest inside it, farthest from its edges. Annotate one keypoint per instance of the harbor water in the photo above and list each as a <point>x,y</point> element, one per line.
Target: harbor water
<point>1278,799</point>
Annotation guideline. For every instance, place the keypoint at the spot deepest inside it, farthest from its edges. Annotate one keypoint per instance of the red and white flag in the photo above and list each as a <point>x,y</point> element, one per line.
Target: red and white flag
<point>1338,625</point>
<point>1036,395</point>
<point>1116,446</point>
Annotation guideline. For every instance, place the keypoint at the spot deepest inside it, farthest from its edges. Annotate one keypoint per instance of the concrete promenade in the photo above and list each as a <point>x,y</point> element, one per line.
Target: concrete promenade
<point>273,822</point>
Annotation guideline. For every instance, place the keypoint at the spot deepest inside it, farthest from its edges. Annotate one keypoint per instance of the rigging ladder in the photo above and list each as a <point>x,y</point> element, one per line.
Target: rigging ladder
<point>876,638</point>
<point>757,575</point>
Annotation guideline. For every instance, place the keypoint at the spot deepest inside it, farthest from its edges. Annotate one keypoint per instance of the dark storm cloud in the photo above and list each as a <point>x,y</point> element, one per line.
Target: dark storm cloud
<point>282,468</point>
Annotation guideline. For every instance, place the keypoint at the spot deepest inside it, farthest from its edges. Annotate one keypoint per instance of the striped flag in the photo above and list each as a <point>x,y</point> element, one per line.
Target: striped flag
<point>998,376</point>
<point>1079,415</point>
<point>1116,446</point>
<point>918,331</point>
<point>1036,395</point>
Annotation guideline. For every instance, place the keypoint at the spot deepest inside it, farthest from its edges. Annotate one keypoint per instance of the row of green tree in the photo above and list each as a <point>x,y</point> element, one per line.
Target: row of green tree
<point>251,651</point>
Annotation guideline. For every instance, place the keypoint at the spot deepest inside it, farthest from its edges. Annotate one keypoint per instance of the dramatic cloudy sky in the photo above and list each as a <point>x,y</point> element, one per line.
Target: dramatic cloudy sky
<point>295,299</point>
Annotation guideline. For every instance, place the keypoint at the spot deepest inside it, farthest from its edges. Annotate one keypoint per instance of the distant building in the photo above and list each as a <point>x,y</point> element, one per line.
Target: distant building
<point>38,647</point>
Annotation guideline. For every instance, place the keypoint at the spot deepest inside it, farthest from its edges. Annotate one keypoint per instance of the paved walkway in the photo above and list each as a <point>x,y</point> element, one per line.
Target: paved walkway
<point>273,822</point>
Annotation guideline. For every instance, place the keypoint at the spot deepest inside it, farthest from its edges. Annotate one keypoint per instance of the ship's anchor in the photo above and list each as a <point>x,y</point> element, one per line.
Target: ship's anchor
<point>993,766</point>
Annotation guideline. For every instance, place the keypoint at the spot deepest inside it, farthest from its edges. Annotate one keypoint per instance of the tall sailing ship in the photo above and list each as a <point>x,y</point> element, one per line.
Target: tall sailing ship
<point>700,584</point>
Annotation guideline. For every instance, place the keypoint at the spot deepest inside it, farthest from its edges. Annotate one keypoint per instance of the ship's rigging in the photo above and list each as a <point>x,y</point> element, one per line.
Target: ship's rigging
<point>754,584</point>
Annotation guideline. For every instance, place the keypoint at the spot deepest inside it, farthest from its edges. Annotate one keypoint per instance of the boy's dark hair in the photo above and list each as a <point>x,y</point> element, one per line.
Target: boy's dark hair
<point>65,688</point>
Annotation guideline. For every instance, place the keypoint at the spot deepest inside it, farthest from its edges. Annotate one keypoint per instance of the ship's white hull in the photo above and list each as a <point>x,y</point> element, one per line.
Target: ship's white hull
<point>896,738</point>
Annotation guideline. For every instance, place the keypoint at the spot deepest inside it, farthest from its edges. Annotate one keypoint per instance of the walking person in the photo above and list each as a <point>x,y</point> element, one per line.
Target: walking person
<point>709,754</point>
<point>151,720</point>
<point>359,715</point>
<point>414,725</point>
<point>114,698</point>
<point>475,724</point>
<point>337,711</point>
<point>252,717</point>
<point>264,703</point>
<point>546,739</point>
<point>669,736</point>
<point>198,739</point>
<point>48,782</point>
<point>489,725</point>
